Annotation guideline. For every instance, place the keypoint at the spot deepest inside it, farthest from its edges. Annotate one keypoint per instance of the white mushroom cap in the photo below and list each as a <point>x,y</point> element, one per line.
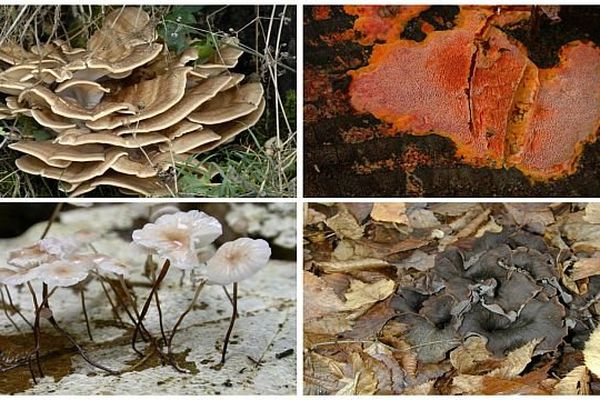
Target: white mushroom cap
<point>42,251</point>
<point>237,260</point>
<point>177,236</point>
<point>17,277</point>
<point>63,273</point>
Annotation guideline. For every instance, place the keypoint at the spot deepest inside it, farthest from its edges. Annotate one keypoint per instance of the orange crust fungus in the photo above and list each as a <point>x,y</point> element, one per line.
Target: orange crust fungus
<point>477,86</point>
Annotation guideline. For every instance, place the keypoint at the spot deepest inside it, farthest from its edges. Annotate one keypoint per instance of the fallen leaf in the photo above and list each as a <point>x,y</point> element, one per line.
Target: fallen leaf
<point>351,265</point>
<point>344,251</point>
<point>361,294</point>
<point>591,352</point>
<point>585,267</point>
<point>467,384</point>
<point>312,217</point>
<point>534,216</point>
<point>345,225</point>
<point>592,213</point>
<point>425,388</point>
<point>453,209</point>
<point>361,382</point>
<point>360,210</point>
<point>466,357</point>
<point>390,212</point>
<point>328,325</point>
<point>422,219</point>
<point>418,260</point>
<point>319,298</point>
<point>577,381</point>
<point>516,361</point>
<point>490,226</point>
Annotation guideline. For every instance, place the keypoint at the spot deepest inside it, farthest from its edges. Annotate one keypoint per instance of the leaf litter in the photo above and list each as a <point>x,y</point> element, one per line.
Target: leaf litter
<point>452,298</point>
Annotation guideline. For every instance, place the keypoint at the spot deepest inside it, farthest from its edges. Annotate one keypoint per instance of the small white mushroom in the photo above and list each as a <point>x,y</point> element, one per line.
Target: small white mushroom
<point>238,260</point>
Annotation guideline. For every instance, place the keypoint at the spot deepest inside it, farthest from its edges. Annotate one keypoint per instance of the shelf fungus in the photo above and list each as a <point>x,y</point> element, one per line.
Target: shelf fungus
<point>476,85</point>
<point>502,287</point>
<point>123,110</point>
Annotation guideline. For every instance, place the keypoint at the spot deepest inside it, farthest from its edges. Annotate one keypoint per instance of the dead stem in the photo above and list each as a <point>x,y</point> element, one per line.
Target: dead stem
<point>15,308</point>
<point>161,277</point>
<point>182,316</point>
<point>85,314</point>
<point>231,323</point>
<point>5,307</point>
<point>79,348</point>
<point>229,297</point>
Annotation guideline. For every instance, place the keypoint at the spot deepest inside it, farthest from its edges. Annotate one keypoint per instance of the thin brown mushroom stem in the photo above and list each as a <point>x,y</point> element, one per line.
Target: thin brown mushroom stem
<point>112,304</point>
<point>36,336</point>
<point>15,308</point>
<point>85,314</point>
<point>146,336</point>
<point>80,350</point>
<point>229,297</point>
<point>5,307</point>
<point>161,277</point>
<point>231,323</point>
<point>38,307</point>
<point>160,318</point>
<point>183,315</point>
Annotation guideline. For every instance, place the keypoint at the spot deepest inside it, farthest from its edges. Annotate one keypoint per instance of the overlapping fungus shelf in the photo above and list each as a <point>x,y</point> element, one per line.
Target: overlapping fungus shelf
<point>476,85</point>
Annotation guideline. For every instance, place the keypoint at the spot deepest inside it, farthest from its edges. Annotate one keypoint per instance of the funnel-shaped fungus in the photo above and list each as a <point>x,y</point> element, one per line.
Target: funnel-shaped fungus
<point>124,91</point>
<point>498,287</point>
<point>476,85</point>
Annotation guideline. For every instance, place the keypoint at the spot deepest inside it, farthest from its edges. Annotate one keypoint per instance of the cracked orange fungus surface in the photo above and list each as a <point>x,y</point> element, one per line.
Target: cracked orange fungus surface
<point>476,85</point>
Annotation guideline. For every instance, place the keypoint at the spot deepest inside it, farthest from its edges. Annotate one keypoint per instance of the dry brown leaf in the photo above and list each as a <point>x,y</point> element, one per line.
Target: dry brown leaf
<point>418,260</point>
<point>577,381</point>
<point>467,384</point>
<point>390,212</point>
<point>585,267</point>
<point>591,352</point>
<point>328,325</point>
<point>351,265</point>
<point>425,388</point>
<point>361,294</point>
<point>592,213</point>
<point>490,226</point>
<point>535,216</point>
<point>453,209</point>
<point>468,227</point>
<point>422,219</point>
<point>312,217</point>
<point>319,298</point>
<point>362,381</point>
<point>466,357</point>
<point>345,225</point>
<point>516,361</point>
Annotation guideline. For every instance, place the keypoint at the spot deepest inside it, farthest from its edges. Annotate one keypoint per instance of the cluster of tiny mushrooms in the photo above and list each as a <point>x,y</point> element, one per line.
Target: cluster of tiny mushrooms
<point>174,239</point>
<point>124,110</point>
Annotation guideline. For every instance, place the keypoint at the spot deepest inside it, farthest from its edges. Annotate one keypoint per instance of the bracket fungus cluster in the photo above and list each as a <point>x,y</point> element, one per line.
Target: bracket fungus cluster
<point>124,110</point>
<point>503,288</point>
<point>476,85</point>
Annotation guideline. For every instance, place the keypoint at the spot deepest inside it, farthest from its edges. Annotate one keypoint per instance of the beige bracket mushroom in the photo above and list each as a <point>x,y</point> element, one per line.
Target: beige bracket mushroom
<point>123,110</point>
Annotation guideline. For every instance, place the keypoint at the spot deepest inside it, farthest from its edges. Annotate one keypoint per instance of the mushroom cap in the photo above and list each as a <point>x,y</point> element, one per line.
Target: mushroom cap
<point>237,260</point>
<point>42,251</point>
<point>147,187</point>
<point>152,97</point>
<point>190,141</point>
<point>79,137</point>
<point>52,152</point>
<point>50,120</point>
<point>75,172</point>
<point>63,273</point>
<point>229,130</point>
<point>191,100</point>
<point>231,104</point>
<point>177,236</point>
